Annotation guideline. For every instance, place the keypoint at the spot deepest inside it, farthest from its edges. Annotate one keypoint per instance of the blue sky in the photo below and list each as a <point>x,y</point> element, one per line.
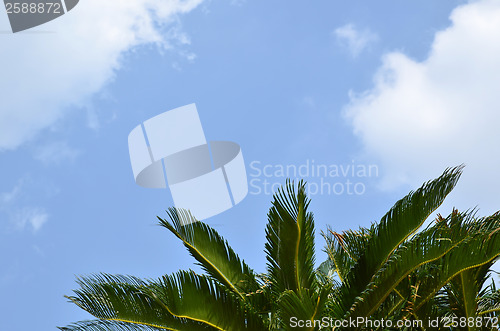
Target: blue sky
<point>410,87</point>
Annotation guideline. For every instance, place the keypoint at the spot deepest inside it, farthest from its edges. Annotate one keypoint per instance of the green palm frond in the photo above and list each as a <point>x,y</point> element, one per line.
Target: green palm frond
<point>393,307</point>
<point>489,302</point>
<point>326,274</point>
<point>477,250</point>
<point>306,307</point>
<point>465,290</point>
<point>105,325</point>
<point>198,298</point>
<point>290,241</point>
<point>184,301</point>
<point>212,252</point>
<point>345,249</point>
<point>426,246</point>
<point>126,301</point>
<point>404,218</point>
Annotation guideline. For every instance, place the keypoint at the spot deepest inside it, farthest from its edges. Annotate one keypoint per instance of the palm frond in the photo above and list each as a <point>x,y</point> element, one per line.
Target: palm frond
<point>105,325</point>
<point>212,252</point>
<point>345,248</point>
<point>404,218</point>
<point>125,300</point>
<point>477,250</point>
<point>326,274</point>
<point>489,302</point>
<point>304,307</point>
<point>198,298</point>
<point>290,241</point>
<point>464,291</point>
<point>427,246</point>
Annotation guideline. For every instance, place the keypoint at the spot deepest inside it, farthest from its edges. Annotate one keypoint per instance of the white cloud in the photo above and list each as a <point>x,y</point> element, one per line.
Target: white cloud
<point>355,40</point>
<point>421,117</point>
<point>33,218</point>
<point>44,73</point>
<point>7,197</point>
<point>21,217</point>
<point>55,153</point>
<point>238,2</point>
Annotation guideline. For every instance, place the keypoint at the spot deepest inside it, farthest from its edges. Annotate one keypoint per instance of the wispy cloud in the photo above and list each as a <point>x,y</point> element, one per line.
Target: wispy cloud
<point>354,39</point>
<point>421,117</point>
<point>29,218</point>
<point>238,2</point>
<point>55,153</point>
<point>8,197</point>
<point>21,217</point>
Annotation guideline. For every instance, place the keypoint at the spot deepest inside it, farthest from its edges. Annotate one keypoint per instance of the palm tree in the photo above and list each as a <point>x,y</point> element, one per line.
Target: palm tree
<point>388,271</point>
